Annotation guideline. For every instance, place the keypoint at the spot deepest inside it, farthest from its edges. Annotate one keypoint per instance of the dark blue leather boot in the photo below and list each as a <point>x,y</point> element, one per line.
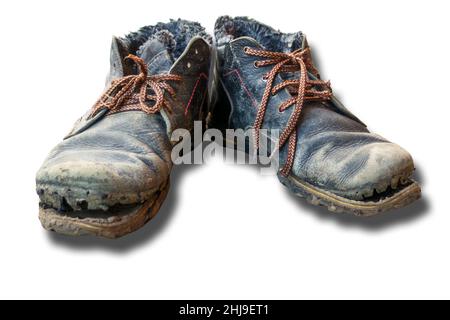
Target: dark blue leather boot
<point>110,175</point>
<point>268,81</point>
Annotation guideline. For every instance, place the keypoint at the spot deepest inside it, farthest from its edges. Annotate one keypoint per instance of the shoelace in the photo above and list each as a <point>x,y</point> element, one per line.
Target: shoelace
<point>131,92</point>
<point>302,89</point>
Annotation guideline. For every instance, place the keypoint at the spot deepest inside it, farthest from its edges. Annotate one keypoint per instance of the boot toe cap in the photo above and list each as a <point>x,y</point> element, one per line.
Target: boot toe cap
<point>99,179</point>
<point>357,170</point>
<point>375,168</point>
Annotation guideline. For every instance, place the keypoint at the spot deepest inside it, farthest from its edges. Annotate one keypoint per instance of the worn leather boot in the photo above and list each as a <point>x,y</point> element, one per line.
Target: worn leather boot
<point>268,81</point>
<point>110,175</point>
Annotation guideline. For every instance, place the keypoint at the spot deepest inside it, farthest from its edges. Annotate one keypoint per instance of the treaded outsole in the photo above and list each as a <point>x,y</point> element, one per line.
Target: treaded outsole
<point>52,220</point>
<point>337,204</point>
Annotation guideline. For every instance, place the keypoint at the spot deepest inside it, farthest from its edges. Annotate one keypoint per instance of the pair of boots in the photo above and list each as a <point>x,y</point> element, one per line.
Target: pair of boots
<point>110,174</point>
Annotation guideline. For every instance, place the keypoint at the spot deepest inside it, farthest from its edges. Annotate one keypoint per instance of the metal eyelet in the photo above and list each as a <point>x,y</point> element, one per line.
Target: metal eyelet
<point>256,64</point>
<point>246,49</point>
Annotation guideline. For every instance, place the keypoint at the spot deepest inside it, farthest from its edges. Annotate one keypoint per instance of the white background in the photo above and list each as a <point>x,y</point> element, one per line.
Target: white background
<point>225,231</point>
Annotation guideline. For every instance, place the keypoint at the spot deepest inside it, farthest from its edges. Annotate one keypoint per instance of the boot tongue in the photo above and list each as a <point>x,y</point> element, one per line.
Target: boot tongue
<point>157,52</point>
<point>292,41</point>
<point>119,66</point>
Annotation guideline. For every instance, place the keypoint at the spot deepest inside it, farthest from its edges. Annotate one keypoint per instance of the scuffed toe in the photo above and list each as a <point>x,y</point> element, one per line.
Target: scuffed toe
<point>358,170</point>
<point>91,180</point>
<point>106,165</point>
<point>373,169</point>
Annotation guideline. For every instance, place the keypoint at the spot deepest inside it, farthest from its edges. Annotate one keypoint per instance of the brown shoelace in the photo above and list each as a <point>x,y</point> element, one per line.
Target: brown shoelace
<point>302,89</point>
<point>131,92</point>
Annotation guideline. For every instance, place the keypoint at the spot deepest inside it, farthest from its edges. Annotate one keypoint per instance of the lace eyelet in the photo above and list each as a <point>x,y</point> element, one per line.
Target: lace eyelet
<point>256,64</point>
<point>265,77</point>
<point>246,49</point>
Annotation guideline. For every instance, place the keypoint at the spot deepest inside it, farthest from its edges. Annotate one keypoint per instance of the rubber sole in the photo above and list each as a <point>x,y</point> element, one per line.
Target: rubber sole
<point>337,204</point>
<point>315,196</point>
<point>117,225</point>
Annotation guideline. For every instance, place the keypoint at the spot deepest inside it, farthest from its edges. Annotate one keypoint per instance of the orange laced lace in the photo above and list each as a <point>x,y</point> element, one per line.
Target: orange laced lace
<point>131,92</point>
<point>302,89</point>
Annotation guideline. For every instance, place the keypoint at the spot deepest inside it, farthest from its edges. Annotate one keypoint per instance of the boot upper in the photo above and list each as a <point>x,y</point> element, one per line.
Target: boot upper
<point>123,157</point>
<point>334,149</point>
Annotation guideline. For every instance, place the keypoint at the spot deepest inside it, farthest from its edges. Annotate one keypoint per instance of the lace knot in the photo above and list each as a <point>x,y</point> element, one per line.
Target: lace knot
<point>132,92</point>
